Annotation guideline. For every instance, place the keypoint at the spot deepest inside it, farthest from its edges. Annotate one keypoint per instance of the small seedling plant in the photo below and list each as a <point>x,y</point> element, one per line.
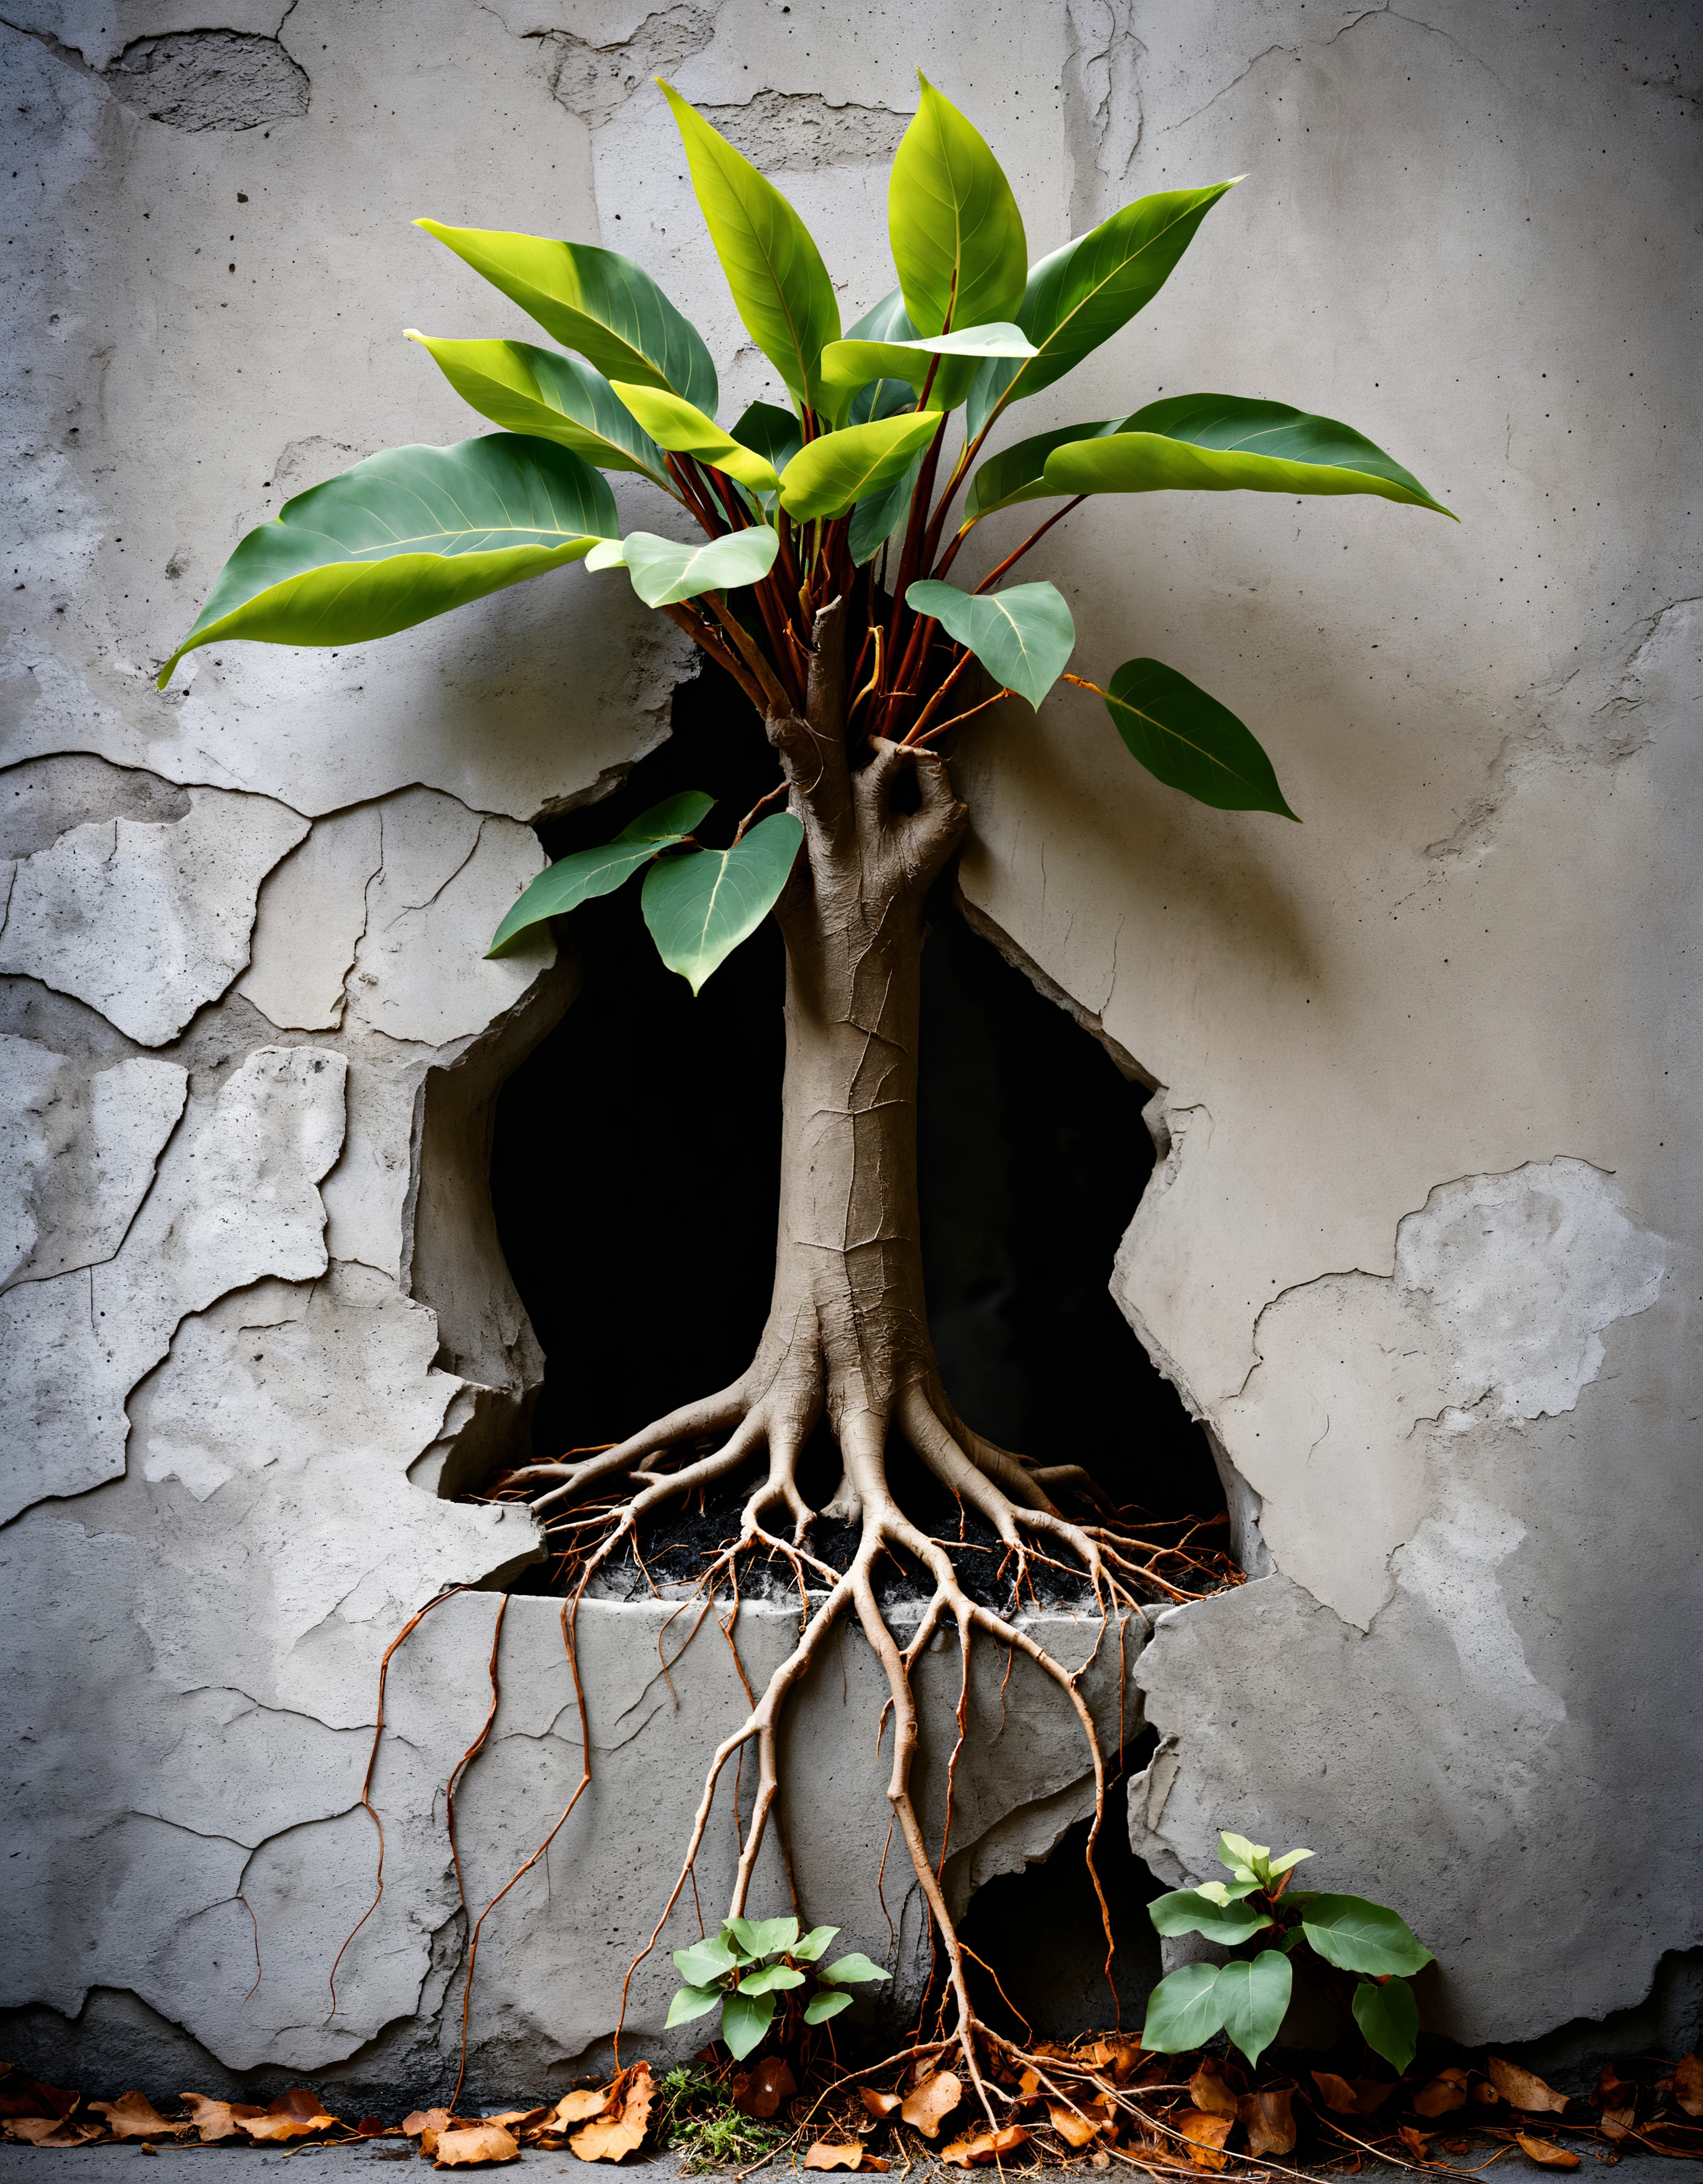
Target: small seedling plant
<point>1256,1910</point>
<point>751,1964</point>
<point>847,560</point>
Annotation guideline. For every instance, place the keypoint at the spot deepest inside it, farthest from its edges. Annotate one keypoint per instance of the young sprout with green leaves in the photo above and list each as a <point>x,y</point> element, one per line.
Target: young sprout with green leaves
<point>822,565</point>
<point>751,1964</point>
<point>1255,1910</point>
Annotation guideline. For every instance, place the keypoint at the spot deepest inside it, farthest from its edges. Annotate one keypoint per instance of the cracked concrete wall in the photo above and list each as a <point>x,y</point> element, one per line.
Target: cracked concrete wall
<point>1422,1247</point>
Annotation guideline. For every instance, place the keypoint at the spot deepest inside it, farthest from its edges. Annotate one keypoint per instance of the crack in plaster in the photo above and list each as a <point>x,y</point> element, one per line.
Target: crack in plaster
<point>195,79</point>
<point>596,81</point>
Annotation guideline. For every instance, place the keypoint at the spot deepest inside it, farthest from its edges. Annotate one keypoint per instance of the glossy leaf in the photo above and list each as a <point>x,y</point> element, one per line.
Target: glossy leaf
<point>852,1969</point>
<point>1183,2011</point>
<point>1359,1936</point>
<point>574,879</point>
<point>594,301</point>
<point>527,389</point>
<point>849,364</point>
<point>780,286</point>
<point>807,1951</point>
<point>875,517</point>
<point>1222,444</point>
<point>1023,636</point>
<point>770,432</point>
<point>771,1980</point>
<point>690,2002</point>
<point>1389,2017</point>
<point>704,1962</point>
<point>1188,741</point>
<point>888,322</point>
<point>1290,1859</point>
<point>684,431</point>
<point>402,537</point>
<point>957,235</point>
<point>701,905</point>
<point>1087,291</point>
<point>1019,472</point>
<point>1240,1855</point>
<point>821,2006</point>
<point>761,1937</point>
<point>1226,1892</point>
<point>1254,1998</point>
<point>664,571</point>
<point>833,471</point>
<point>1187,1911</point>
<point>744,2020</point>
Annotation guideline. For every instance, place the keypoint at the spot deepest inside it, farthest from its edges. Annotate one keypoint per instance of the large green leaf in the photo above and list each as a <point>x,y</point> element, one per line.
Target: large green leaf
<point>807,1951</point>
<point>1022,636</point>
<point>1187,1911</point>
<point>884,322</point>
<point>690,2002</point>
<point>1083,293</point>
<point>771,1980</point>
<point>705,1962</point>
<point>823,2006</point>
<point>575,879</point>
<point>1188,741</point>
<point>527,389</point>
<point>744,2020</point>
<point>852,1969</point>
<point>402,537</point>
<point>1254,1998</point>
<point>849,364</point>
<point>1019,472</point>
<point>1389,2017</point>
<point>760,1937</point>
<point>771,431</point>
<point>1223,443</point>
<point>664,571</point>
<point>700,904</point>
<point>1360,1936</point>
<point>594,301</point>
<point>829,473</point>
<point>780,286</point>
<point>1184,2010</point>
<point>684,431</point>
<point>876,516</point>
<point>957,235</point>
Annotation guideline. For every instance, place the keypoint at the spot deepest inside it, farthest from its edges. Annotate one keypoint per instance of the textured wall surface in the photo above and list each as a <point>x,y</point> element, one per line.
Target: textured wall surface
<point>1424,1242</point>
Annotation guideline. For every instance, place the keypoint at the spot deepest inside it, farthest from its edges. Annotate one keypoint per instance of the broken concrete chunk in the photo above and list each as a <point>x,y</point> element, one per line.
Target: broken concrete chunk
<point>311,913</point>
<point>147,923</point>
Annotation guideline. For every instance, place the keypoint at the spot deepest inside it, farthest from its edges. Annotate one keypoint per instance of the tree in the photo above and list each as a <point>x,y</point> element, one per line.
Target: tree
<point>821,586</point>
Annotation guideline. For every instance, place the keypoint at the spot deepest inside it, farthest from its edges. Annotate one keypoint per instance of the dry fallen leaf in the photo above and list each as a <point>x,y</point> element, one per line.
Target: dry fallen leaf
<point>927,2105</point>
<point>1075,2129</point>
<point>1688,2085</point>
<point>1205,2134</point>
<point>1617,2122</point>
<point>476,2146</point>
<point>1029,2085</point>
<point>1520,2089</point>
<point>978,2147</point>
<point>762,2092</point>
<point>425,2119</point>
<point>1269,2122</point>
<point>1125,2058</point>
<point>622,2129</point>
<point>30,2097</point>
<point>1416,2141</point>
<point>878,2105</point>
<point>1446,2092</point>
<point>1208,2090</point>
<point>216,2120</point>
<point>853,2155</point>
<point>295,2115</point>
<point>515,2121</point>
<point>1545,2149</point>
<point>1337,2092</point>
<point>573,2109</point>
<point>52,2131</point>
<point>133,2115</point>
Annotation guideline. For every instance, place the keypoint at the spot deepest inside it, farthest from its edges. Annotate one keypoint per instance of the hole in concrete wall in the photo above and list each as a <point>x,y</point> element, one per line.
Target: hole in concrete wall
<point>635,1177</point>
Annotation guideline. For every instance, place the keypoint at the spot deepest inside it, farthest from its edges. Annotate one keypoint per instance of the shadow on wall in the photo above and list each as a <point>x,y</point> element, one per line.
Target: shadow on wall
<point>635,1175</point>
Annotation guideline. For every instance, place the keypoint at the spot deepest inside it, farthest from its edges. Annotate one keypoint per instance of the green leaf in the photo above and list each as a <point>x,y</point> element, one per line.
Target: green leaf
<point>876,516</point>
<point>691,2001</point>
<point>575,879</point>
<point>1237,1852</point>
<point>956,233</point>
<point>1255,1997</point>
<point>849,364</point>
<point>1359,1936</point>
<point>852,1969</point>
<point>1085,293</point>
<point>888,322</point>
<point>1019,472</point>
<point>834,470</point>
<point>1388,2016</point>
<point>744,2020</point>
<point>701,905</point>
<point>1223,1891</point>
<point>1188,741</point>
<point>1222,444</point>
<point>772,1977</point>
<point>664,571</point>
<point>807,1951</point>
<point>1184,2010</point>
<point>705,1962</point>
<point>821,2006</point>
<point>1286,1862</point>
<point>761,1937</point>
<point>780,286</point>
<point>1022,636</point>
<point>771,431</point>
<point>526,389</point>
<point>402,537</point>
<point>683,430</point>
<point>594,301</point>
<point>1187,1911</point>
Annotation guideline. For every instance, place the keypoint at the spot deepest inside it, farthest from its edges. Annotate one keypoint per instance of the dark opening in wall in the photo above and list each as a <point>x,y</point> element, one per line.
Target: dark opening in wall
<point>635,1176</point>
